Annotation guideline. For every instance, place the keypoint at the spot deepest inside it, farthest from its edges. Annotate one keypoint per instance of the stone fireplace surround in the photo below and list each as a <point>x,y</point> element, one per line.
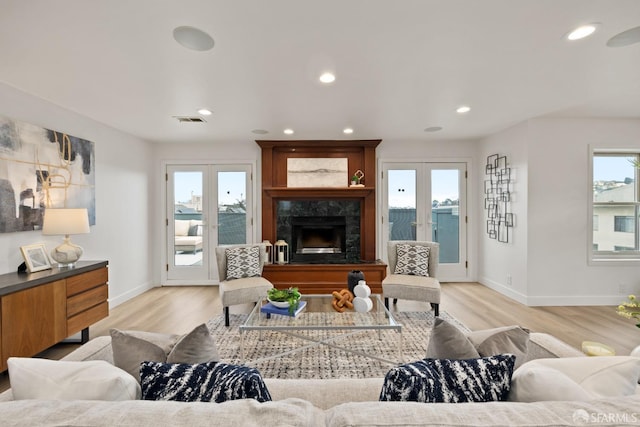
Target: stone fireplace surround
<point>312,275</point>
<point>320,231</point>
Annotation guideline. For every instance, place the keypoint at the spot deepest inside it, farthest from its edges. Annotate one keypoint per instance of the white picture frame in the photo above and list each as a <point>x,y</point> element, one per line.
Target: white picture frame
<point>35,257</point>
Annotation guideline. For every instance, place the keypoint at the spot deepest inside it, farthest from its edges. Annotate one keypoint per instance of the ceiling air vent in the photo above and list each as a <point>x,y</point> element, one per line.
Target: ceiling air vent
<point>190,119</point>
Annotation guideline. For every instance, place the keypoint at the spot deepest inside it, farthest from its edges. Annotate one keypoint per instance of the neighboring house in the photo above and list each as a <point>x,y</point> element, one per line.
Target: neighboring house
<point>614,225</point>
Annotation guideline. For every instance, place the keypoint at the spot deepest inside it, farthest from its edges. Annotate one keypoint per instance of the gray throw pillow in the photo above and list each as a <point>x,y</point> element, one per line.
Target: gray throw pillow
<point>449,342</point>
<point>243,262</point>
<point>412,259</point>
<point>507,339</point>
<point>131,348</point>
<point>198,346</point>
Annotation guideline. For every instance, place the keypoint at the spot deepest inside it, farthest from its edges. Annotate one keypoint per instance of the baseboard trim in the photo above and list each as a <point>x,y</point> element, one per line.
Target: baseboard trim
<point>116,301</point>
<point>562,300</point>
<point>504,290</point>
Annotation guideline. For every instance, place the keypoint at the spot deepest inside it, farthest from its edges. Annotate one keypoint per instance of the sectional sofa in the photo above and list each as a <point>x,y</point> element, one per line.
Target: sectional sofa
<point>188,235</point>
<point>314,402</point>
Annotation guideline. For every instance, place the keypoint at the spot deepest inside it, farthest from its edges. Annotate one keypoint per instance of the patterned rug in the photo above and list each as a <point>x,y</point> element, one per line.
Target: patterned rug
<point>323,361</point>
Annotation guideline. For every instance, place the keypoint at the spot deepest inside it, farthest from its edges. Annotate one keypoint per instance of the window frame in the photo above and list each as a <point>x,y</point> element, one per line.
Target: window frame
<point>613,257</point>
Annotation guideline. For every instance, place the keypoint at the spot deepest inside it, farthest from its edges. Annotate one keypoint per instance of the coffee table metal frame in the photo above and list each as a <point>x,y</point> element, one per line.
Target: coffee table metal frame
<point>379,319</point>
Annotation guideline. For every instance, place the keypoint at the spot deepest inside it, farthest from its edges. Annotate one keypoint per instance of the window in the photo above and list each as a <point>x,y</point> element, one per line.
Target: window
<point>624,224</point>
<point>616,206</point>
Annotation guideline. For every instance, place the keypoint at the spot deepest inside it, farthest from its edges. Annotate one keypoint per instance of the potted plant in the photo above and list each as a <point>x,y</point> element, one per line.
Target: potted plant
<point>284,298</point>
<point>631,310</point>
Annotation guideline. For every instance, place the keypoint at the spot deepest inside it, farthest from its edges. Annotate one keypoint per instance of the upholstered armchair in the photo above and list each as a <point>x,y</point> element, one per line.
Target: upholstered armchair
<point>413,268</point>
<point>240,273</point>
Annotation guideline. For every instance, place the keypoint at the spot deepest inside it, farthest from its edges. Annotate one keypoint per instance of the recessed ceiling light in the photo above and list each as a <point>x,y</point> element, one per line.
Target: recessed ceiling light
<point>193,38</point>
<point>260,131</point>
<point>348,131</point>
<point>463,109</point>
<point>433,129</point>
<point>288,131</point>
<point>582,31</point>
<point>204,112</point>
<point>327,78</point>
<point>625,38</point>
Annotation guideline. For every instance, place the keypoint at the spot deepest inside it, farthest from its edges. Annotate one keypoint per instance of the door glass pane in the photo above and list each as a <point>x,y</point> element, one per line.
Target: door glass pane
<point>232,209</point>
<point>188,218</point>
<point>402,204</point>
<point>445,225</point>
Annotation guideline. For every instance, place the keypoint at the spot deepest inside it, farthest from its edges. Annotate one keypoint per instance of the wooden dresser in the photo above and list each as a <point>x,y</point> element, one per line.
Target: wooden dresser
<point>38,310</point>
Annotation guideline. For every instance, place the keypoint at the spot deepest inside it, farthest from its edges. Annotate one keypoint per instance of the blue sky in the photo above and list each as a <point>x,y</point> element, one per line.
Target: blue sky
<point>231,186</point>
<point>608,168</point>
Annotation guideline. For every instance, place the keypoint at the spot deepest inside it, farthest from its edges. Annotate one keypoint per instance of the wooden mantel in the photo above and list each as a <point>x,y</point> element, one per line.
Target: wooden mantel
<point>361,156</point>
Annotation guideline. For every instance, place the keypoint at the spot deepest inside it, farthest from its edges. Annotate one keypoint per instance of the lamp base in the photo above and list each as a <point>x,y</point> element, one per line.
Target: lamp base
<point>66,254</point>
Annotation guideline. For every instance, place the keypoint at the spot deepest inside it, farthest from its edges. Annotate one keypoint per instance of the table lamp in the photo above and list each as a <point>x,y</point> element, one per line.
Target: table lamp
<point>65,222</point>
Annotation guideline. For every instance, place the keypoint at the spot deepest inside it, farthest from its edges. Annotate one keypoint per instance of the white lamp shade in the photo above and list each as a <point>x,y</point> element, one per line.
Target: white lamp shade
<point>65,221</point>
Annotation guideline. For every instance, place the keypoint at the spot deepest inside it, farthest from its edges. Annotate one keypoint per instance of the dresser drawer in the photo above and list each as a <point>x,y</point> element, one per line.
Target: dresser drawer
<point>85,281</point>
<point>86,300</point>
<point>86,318</point>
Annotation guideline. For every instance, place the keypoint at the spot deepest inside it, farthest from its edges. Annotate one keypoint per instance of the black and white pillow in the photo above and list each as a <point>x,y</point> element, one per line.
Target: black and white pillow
<point>412,259</point>
<point>485,379</point>
<point>243,262</point>
<point>202,382</point>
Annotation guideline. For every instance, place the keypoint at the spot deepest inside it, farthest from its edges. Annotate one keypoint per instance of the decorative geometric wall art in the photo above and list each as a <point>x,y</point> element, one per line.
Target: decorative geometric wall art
<point>42,168</point>
<point>317,172</point>
<point>497,198</point>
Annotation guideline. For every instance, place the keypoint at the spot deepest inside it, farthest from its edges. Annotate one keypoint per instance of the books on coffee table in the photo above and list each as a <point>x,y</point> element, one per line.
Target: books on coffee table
<point>269,309</point>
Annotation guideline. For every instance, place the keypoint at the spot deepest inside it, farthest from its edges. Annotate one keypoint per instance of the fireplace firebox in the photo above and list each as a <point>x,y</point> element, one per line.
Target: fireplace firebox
<point>316,237</point>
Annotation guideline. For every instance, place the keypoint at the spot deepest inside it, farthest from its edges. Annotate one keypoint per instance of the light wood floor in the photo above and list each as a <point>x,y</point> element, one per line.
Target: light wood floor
<point>180,309</point>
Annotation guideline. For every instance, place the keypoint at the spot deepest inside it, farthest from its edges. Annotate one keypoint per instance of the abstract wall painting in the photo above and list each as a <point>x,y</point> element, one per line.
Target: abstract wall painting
<point>317,172</point>
<point>41,168</point>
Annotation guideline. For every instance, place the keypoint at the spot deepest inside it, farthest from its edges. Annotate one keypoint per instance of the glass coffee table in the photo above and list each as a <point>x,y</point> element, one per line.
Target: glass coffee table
<point>319,315</point>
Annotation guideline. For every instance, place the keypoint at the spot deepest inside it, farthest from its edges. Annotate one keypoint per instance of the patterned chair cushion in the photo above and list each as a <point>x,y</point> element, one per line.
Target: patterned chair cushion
<point>203,382</point>
<point>451,381</point>
<point>412,259</point>
<point>243,262</point>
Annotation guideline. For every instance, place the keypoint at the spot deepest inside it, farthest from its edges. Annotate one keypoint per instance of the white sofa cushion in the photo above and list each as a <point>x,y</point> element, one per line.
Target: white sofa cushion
<point>61,380</point>
<point>182,227</point>
<point>575,378</point>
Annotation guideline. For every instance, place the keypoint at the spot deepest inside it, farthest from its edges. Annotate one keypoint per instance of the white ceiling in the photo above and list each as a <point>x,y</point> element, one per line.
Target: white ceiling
<point>401,66</point>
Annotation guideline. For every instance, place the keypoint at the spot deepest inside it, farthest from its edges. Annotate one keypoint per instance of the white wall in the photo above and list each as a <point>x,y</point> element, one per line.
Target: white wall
<point>547,258</point>
<point>123,187</point>
<point>559,196</point>
<point>499,260</point>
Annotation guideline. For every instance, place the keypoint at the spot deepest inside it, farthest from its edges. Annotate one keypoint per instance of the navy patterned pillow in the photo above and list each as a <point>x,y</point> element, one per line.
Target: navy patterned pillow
<point>452,381</point>
<point>412,259</point>
<point>243,262</point>
<point>201,382</point>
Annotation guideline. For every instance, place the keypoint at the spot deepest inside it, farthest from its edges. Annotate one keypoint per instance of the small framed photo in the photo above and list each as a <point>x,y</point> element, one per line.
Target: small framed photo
<point>35,256</point>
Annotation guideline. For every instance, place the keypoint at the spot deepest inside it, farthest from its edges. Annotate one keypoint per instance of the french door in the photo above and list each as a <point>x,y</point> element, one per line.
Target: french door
<point>207,206</point>
<point>427,201</point>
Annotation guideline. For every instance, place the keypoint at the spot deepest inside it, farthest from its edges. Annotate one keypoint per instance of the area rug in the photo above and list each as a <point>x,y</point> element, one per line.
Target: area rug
<point>323,361</point>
